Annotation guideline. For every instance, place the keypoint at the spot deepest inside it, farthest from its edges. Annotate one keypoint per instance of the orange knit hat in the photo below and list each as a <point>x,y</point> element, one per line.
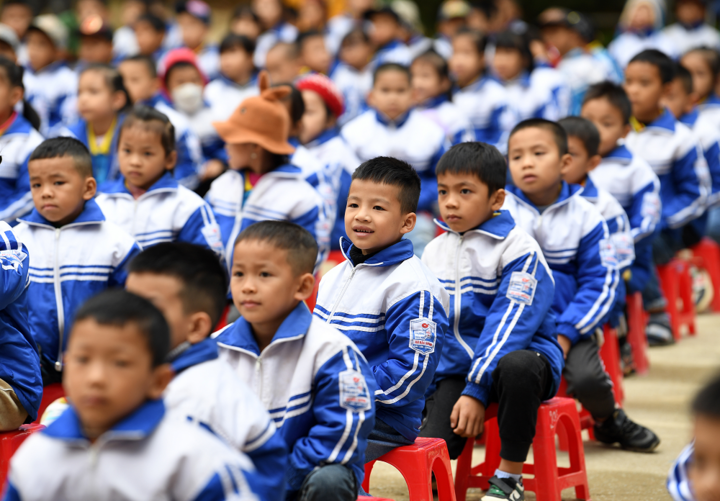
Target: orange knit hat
<point>261,120</point>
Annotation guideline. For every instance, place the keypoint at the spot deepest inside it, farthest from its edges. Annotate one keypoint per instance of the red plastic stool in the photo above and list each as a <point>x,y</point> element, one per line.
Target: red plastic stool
<point>549,480</point>
<point>709,254</point>
<point>10,442</point>
<point>637,320</point>
<point>416,463</point>
<point>610,356</point>
<point>676,284</point>
<point>50,393</point>
<point>586,420</point>
<point>370,498</point>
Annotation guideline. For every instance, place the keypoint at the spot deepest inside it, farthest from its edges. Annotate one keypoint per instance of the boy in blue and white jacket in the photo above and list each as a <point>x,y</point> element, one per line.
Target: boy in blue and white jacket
<point>146,201</point>
<point>313,380</point>
<point>504,347</point>
<point>128,446</point>
<point>20,377</point>
<point>75,252</point>
<point>189,285</point>
<point>401,326</point>
<point>576,243</point>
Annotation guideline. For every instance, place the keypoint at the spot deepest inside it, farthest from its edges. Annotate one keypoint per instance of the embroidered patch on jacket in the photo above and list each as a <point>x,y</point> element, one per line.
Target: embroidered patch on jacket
<point>12,259</point>
<point>651,206</point>
<point>423,332</point>
<point>521,288</point>
<point>354,394</point>
<point>211,232</point>
<point>624,247</point>
<point>608,255</point>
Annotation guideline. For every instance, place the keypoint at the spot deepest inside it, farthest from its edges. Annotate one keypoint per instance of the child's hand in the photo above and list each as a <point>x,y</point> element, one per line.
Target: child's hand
<point>565,344</point>
<point>468,417</point>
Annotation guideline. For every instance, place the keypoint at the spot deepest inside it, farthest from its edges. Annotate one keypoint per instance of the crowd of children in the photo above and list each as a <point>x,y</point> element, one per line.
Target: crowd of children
<point>491,196</point>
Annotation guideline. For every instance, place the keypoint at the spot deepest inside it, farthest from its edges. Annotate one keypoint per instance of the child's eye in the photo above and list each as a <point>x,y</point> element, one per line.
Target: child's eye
<point>442,192</point>
<point>122,363</point>
<point>238,274</point>
<point>126,150</point>
<point>353,205</point>
<point>265,274</point>
<point>35,185</point>
<point>465,191</point>
<point>539,153</point>
<point>82,360</point>
<point>148,154</point>
<point>377,207</point>
<point>59,183</point>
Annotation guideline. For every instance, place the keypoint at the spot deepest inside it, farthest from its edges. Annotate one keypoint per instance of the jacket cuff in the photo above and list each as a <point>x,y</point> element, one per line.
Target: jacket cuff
<point>569,332</point>
<point>477,392</point>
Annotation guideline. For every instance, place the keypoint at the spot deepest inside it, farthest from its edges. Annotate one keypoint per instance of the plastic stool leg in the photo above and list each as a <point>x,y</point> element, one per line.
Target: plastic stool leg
<point>366,480</point>
<point>546,485</point>
<point>463,470</point>
<point>443,476</point>
<point>610,356</point>
<point>636,332</point>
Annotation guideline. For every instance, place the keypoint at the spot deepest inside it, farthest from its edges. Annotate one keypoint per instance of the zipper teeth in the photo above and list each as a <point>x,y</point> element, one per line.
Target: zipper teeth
<point>59,302</point>
<point>342,293</point>
<point>458,296</point>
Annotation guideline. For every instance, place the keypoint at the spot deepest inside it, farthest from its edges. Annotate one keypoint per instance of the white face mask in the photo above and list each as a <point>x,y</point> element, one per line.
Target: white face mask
<point>188,98</point>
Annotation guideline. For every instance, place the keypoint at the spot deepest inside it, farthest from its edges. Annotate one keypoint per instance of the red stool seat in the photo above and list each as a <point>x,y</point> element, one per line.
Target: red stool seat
<point>417,463</point>
<point>50,393</point>
<point>676,284</point>
<point>709,254</point>
<point>549,479</point>
<point>637,320</point>
<point>10,442</point>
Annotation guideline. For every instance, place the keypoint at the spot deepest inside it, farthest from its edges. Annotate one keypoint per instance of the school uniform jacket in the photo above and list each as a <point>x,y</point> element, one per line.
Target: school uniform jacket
<point>279,195</point>
<point>710,109</point>
<point>394,309</point>
<point>207,392</point>
<point>69,265</point>
<point>52,92</point>
<point>16,145</point>
<point>224,95</point>
<point>675,156</point>
<point>709,137</point>
<point>167,212</point>
<point>449,117</point>
<point>541,93</point>
<point>19,361</point>
<point>686,38</point>
<point>485,102</point>
<point>501,293</point>
<point>412,137</point>
<point>315,384</point>
<point>146,456</point>
<point>678,481</point>
<point>576,243</point>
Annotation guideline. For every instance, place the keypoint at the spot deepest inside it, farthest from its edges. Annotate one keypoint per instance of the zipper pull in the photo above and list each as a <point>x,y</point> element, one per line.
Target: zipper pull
<point>58,366</point>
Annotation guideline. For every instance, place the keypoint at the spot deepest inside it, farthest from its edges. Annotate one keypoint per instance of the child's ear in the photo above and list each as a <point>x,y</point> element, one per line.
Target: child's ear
<point>593,162</point>
<point>305,286</point>
<point>16,95</point>
<point>170,160</point>
<point>161,377</point>
<point>90,188</point>
<point>201,326</point>
<point>408,223</point>
<point>497,200</point>
<point>565,162</point>
<point>370,99</point>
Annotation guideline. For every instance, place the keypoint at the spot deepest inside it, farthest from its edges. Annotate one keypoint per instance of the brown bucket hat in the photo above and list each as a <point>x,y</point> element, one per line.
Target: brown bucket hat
<point>261,120</point>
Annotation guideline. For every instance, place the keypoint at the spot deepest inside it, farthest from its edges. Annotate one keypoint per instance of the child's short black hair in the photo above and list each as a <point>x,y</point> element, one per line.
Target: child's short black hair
<point>355,35</point>
<point>585,131</point>
<point>157,24</point>
<point>557,131</point>
<point>65,147</point>
<point>510,39</point>
<point>307,35</point>
<point>113,80</point>
<point>392,67</point>
<point>297,103</point>
<point>204,279</point>
<point>614,93</point>
<point>478,37</point>
<point>393,172</point>
<point>151,119</point>
<point>711,57</point>
<point>145,60</point>
<point>301,247</point>
<point>233,41</point>
<point>663,63</point>
<point>478,159</point>
<point>439,64</point>
<point>118,307</point>
<point>685,77</point>
<point>707,401</point>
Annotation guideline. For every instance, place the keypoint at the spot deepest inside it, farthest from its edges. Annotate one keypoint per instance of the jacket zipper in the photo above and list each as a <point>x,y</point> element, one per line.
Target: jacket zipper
<point>458,296</point>
<point>59,301</point>
<point>342,293</point>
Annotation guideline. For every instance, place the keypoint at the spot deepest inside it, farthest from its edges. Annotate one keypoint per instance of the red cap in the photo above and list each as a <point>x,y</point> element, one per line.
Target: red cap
<point>182,55</point>
<point>326,89</point>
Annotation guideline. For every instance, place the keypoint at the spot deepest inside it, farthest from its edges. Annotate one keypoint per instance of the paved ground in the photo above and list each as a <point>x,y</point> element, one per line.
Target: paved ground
<point>659,400</point>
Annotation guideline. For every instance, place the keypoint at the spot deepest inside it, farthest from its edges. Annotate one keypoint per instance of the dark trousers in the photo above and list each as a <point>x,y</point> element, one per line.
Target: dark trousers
<point>521,381</point>
<point>587,380</point>
<point>333,482</point>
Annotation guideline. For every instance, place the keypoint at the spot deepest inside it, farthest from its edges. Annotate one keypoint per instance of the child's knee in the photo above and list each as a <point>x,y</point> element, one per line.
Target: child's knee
<point>517,369</point>
<point>333,481</point>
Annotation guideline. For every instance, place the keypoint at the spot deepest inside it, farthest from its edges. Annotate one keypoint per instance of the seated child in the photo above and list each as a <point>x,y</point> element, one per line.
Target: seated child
<point>321,136</point>
<point>481,97</point>
<point>75,252</point>
<point>432,93</point>
<point>498,272</point>
<point>342,23</point>
<point>237,79</point>
<point>150,33</point>
<point>18,15</point>
<point>406,312</point>
<point>193,17</point>
<point>315,56</point>
<point>20,376</point>
<point>17,142</point>
<point>96,42</point>
<point>50,85</point>
<point>704,66</point>
<point>575,241</point>
<point>115,377</point>
<point>313,379</point>
<point>392,128</point>
<point>640,28</point>
<point>353,74</point>
<point>691,31</point>
<point>283,62</point>
<point>385,35</point>
<point>275,29</point>
<point>146,201</point>
<point>260,183</point>
<point>245,22</point>
<point>189,286</point>
<point>695,476</point>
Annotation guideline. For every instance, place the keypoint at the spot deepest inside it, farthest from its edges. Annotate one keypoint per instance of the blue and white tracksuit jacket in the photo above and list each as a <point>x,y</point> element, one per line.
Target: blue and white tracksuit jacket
<point>581,69</point>
<point>393,308</point>
<point>576,243</point>
<point>676,157</point>
<point>16,145</point>
<point>315,384</point>
<point>282,32</point>
<point>543,93</point>
<point>486,104</point>
<point>355,86</point>
<point>710,110</point>
<point>167,212</point>
<point>685,38</point>
<point>627,45</point>
<point>412,137</point>
<point>19,361</point>
<point>279,195</point>
<point>69,265</point>
<point>450,117</point>
<point>340,164</point>
<point>633,183</point>
<point>678,481</point>
<point>393,52</point>
<point>207,392</point>
<point>709,137</point>
<point>52,92</point>
<point>224,95</point>
<point>145,456</point>
<point>501,293</point>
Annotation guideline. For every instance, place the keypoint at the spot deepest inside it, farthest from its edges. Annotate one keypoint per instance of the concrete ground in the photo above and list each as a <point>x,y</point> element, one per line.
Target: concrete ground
<point>658,400</point>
